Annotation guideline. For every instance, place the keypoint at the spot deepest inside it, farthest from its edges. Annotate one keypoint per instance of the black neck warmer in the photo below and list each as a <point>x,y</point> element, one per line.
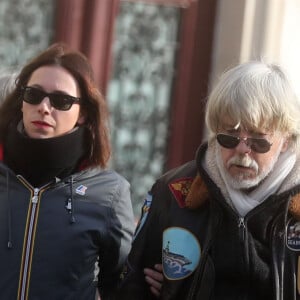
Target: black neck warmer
<point>41,160</point>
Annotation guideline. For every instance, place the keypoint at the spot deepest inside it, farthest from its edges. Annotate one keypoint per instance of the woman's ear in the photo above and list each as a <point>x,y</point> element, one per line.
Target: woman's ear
<point>81,119</point>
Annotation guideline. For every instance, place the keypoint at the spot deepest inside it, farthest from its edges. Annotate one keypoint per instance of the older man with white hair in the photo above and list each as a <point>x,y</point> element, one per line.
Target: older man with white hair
<point>224,225</point>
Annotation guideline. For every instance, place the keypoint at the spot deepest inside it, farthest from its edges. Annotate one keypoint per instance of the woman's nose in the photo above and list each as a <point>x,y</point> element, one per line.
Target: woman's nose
<point>45,105</point>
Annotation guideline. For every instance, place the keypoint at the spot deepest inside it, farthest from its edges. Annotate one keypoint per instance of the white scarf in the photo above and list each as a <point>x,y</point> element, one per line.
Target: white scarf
<point>242,202</point>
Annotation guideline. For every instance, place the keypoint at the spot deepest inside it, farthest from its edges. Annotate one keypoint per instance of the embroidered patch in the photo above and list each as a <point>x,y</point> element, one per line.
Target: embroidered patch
<point>81,190</point>
<point>181,253</point>
<point>145,210</point>
<point>293,235</point>
<point>180,189</point>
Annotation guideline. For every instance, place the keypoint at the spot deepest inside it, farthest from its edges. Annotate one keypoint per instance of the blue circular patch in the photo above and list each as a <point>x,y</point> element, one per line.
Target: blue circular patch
<point>180,254</point>
<point>293,235</point>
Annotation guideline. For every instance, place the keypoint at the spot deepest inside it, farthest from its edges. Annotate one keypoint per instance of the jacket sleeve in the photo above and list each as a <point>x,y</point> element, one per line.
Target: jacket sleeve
<point>120,230</point>
<point>145,252</point>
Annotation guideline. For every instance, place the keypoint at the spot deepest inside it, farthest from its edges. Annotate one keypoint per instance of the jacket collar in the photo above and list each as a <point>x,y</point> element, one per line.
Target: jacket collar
<point>199,193</point>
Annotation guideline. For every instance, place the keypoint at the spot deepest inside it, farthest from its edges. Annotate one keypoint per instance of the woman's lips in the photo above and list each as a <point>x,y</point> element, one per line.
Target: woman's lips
<point>41,124</point>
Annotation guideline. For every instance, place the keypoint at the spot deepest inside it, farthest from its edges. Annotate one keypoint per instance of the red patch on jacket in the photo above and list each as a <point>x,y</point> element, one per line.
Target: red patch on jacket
<point>180,189</point>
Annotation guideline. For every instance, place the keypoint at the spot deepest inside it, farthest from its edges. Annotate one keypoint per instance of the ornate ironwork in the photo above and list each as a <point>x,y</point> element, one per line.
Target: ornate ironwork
<point>140,91</point>
<point>26,28</point>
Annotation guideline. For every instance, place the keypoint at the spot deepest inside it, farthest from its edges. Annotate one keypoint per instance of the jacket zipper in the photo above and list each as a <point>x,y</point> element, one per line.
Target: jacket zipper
<point>29,237</point>
<point>28,249</point>
<point>242,228</point>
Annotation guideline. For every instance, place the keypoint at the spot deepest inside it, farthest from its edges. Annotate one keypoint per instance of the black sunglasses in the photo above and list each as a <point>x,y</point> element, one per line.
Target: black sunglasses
<point>35,96</point>
<point>258,145</point>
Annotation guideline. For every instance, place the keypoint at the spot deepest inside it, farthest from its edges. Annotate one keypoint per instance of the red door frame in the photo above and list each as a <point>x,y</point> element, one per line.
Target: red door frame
<point>191,83</point>
<point>89,25</point>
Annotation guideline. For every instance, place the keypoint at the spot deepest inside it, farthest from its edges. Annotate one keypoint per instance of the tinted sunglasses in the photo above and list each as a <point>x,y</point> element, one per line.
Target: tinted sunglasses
<point>259,145</point>
<point>35,96</point>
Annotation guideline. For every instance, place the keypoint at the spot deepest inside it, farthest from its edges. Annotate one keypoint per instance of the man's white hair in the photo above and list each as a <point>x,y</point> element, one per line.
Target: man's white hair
<point>257,96</point>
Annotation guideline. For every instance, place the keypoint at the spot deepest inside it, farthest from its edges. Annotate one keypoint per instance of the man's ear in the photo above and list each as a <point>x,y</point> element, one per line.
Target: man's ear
<point>285,144</point>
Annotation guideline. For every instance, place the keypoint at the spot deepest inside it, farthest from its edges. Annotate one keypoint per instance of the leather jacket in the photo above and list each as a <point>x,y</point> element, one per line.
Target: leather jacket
<point>207,250</point>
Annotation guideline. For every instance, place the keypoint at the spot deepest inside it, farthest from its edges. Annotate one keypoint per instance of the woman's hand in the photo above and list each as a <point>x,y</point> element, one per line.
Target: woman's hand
<point>154,277</point>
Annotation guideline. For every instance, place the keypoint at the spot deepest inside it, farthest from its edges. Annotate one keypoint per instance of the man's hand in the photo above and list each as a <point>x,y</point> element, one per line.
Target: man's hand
<point>154,277</point>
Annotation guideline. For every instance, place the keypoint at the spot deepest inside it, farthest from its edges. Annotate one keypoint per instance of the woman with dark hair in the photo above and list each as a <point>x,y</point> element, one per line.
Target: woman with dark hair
<point>66,222</point>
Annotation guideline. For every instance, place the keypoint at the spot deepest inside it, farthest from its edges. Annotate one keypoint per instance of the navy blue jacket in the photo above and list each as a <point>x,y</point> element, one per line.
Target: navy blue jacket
<point>65,239</point>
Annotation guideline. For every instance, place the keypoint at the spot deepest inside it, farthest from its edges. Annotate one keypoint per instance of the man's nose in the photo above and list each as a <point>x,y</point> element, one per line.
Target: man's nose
<point>244,146</point>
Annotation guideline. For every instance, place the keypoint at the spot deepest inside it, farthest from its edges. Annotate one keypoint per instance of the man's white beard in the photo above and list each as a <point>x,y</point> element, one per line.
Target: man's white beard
<point>242,182</point>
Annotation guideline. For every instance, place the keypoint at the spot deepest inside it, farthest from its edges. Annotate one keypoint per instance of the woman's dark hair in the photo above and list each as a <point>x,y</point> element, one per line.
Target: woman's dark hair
<point>93,106</point>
